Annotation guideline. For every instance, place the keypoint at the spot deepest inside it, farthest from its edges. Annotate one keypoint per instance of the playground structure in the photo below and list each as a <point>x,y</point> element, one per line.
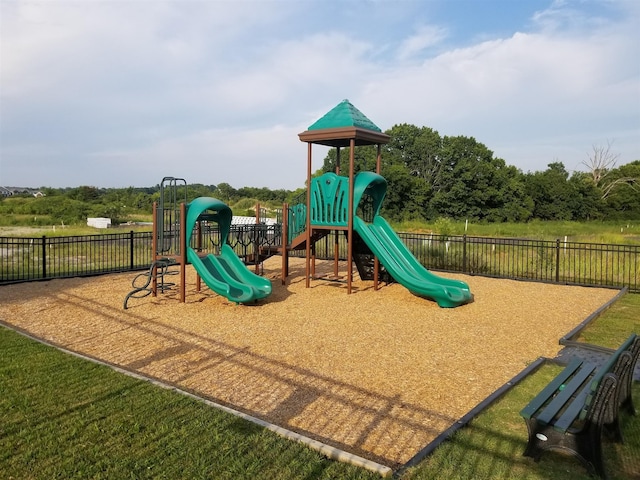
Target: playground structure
<point>177,225</point>
<point>335,204</point>
<point>352,205</point>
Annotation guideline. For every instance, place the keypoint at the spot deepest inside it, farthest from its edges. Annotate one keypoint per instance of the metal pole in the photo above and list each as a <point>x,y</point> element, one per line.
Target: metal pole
<point>44,256</point>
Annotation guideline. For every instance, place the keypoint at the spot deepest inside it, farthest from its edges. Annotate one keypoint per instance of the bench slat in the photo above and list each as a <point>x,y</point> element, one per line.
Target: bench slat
<point>555,405</point>
<point>536,403</point>
<point>574,410</point>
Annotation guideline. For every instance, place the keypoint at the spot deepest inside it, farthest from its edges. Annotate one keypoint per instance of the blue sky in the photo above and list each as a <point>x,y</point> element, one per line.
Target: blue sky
<point>123,93</point>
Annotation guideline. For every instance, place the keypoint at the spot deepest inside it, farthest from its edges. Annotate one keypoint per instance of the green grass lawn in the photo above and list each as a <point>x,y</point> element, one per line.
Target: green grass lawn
<point>619,321</point>
<point>610,232</point>
<point>64,417</point>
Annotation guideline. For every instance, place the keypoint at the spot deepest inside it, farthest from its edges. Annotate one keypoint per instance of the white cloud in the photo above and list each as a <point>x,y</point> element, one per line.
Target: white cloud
<point>223,88</point>
<point>509,92</point>
<point>425,37</point>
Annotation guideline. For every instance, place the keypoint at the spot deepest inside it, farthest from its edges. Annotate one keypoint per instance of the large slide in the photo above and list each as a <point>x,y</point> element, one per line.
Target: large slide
<point>225,273</point>
<point>396,257</point>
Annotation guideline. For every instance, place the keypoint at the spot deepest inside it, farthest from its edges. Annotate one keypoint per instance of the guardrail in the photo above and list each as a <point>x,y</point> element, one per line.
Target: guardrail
<point>574,263</point>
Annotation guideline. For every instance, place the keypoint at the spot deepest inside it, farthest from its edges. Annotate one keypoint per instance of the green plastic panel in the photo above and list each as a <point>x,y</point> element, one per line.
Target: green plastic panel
<point>330,200</point>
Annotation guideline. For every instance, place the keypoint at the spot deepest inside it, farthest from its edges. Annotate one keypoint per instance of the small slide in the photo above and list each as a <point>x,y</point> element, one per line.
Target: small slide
<point>396,257</point>
<point>225,273</point>
<point>406,269</point>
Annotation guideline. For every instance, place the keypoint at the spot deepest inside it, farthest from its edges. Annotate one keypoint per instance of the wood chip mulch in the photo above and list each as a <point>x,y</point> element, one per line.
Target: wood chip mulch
<point>377,373</point>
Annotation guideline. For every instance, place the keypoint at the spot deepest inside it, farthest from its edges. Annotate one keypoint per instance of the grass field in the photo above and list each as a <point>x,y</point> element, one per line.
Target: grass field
<point>618,232</point>
<point>64,417</point>
<point>615,232</point>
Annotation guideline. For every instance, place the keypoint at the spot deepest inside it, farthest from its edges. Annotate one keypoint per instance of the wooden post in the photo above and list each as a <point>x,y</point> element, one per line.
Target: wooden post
<point>256,241</point>
<point>336,246</point>
<point>183,251</point>
<point>199,247</point>
<point>352,148</point>
<point>308,219</point>
<point>285,242</point>
<point>154,249</point>
<point>376,261</point>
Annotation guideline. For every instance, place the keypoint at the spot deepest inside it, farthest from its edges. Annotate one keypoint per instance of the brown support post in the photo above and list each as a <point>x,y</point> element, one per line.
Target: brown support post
<point>256,246</point>
<point>199,246</point>
<point>336,252</point>
<point>376,261</point>
<point>154,249</point>
<point>352,148</point>
<point>308,220</point>
<point>336,247</point>
<point>285,242</point>
<point>183,251</point>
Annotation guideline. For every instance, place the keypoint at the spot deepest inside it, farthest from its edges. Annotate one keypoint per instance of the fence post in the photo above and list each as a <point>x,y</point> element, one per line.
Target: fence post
<point>131,248</point>
<point>44,256</point>
<point>464,253</point>
<point>557,260</point>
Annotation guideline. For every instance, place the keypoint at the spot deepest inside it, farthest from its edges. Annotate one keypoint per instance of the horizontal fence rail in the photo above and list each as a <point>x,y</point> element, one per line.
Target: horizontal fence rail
<point>563,262</point>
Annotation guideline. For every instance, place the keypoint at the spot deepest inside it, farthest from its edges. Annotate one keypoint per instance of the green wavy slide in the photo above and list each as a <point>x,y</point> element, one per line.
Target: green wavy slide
<point>396,257</point>
<point>406,269</point>
<point>225,274</point>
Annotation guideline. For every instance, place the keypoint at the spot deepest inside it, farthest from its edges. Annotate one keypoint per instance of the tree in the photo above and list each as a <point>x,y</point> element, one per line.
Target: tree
<point>473,184</point>
<point>417,149</point>
<point>623,202</point>
<point>226,192</point>
<point>550,193</point>
<point>364,159</point>
<point>556,196</point>
<point>84,193</point>
<point>601,164</point>
<point>405,197</point>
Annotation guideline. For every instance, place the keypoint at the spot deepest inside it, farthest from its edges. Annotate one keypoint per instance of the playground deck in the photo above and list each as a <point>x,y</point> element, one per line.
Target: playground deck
<point>377,373</point>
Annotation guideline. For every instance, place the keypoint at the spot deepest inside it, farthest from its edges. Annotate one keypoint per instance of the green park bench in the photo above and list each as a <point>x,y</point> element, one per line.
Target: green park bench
<point>580,404</point>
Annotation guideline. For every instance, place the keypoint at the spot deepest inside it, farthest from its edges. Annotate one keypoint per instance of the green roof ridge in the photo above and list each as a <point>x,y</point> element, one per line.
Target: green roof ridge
<point>344,115</point>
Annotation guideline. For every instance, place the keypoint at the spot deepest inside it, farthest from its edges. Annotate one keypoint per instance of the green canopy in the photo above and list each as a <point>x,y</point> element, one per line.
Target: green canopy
<point>345,114</point>
<point>342,124</point>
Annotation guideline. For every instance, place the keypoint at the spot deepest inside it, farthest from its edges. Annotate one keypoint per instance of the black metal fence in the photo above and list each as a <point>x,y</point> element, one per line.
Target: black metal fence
<point>27,259</point>
<point>574,263</point>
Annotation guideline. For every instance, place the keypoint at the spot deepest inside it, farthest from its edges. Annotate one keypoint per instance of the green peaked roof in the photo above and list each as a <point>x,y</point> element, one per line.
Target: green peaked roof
<point>345,115</point>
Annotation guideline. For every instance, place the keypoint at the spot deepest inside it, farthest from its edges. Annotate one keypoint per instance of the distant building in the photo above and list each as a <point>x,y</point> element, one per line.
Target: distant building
<point>11,191</point>
<point>99,222</point>
<point>240,220</point>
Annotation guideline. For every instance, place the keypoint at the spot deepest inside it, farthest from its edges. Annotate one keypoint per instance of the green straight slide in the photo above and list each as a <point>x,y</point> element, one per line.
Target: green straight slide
<point>225,273</point>
<point>394,254</point>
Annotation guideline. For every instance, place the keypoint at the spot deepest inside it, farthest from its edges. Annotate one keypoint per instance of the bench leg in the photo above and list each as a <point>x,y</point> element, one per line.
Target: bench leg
<point>613,431</point>
<point>627,405</point>
<point>586,444</point>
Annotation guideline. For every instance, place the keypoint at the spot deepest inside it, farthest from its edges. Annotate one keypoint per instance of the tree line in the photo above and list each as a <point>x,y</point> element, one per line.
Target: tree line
<point>429,177</point>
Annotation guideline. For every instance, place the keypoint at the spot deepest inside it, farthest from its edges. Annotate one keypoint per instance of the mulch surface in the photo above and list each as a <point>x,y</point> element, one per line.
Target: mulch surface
<point>377,373</point>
